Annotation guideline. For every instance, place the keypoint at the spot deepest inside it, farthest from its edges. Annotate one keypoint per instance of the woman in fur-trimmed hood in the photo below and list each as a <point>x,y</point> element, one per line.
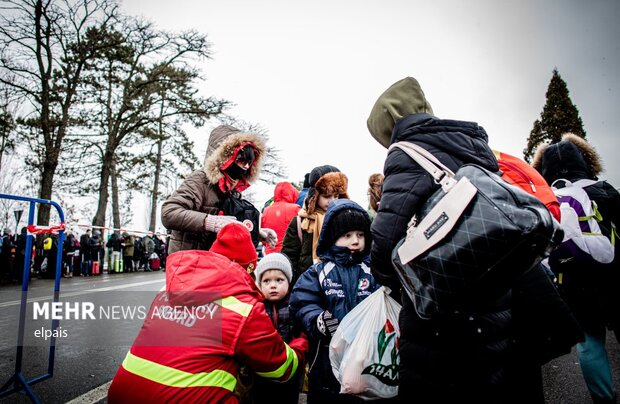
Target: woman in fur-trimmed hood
<point>573,158</point>
<point>589,288</point>
<point>233,161</point>
<point>302,235</point>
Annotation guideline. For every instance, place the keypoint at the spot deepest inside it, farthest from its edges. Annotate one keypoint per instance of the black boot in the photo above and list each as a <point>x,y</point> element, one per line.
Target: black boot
<point>599,400</point>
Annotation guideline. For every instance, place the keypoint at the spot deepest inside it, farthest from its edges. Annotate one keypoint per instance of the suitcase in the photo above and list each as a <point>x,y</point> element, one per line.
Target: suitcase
<point>96,270</point>
<point>117,262</point>
<point>154,263</point>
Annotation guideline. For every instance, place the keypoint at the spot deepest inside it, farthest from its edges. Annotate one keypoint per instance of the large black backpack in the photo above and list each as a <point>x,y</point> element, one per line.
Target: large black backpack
<point>244,211</point>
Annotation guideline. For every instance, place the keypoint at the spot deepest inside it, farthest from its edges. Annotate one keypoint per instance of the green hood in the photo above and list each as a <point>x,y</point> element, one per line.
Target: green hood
<point>405,97</point>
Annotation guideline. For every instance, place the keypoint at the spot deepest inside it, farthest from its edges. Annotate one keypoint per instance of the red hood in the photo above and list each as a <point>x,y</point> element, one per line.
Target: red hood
<point>243,184</point>
<point>205,271</point>
<point>285,192</point>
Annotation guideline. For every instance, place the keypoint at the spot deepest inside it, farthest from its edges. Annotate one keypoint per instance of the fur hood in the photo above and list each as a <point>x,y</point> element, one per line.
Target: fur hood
<point>571,155</point>
<point>334,183</point>
<point>223,142</point>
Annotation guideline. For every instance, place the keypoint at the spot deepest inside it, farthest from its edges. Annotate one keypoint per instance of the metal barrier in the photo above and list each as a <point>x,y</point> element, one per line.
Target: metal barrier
<point>18,382</point>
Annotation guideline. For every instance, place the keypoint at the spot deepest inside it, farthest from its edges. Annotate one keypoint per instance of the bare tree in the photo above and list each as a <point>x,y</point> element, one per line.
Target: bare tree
<point>7,130</point>
<point>43,51</point>
<point>10,184</point>
<point>151,61</point>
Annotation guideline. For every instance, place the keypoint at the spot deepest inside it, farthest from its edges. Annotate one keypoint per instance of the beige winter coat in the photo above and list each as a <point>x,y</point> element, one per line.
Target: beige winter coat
<point>199,195</point>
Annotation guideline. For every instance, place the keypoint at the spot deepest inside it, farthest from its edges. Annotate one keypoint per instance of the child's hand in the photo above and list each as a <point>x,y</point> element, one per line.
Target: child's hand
<point>327,324</point>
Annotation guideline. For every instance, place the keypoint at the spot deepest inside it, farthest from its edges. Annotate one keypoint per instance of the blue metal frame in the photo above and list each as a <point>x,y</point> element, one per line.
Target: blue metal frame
<point>17,382</point>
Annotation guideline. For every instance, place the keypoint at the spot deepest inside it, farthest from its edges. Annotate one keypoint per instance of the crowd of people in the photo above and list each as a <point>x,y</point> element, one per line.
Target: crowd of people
<point>87,255</point>
<point>12,255</point>
<point>324,254</point>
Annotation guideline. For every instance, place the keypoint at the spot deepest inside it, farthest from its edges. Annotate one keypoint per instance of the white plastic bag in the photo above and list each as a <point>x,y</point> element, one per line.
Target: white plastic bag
<point>364,350</point>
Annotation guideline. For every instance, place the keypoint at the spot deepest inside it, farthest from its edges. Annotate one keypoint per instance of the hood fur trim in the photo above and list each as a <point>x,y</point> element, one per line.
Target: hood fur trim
<point>334,183</point>
<point>538,155</point>
<point>593,159</point>
<point>224,151</point>
<point>591,156</point>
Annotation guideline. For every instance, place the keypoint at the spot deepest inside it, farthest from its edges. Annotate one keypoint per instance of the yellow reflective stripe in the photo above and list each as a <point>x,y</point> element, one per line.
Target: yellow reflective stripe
<point>291,356</point>
<point>177,378</point>
<point>233,304</point>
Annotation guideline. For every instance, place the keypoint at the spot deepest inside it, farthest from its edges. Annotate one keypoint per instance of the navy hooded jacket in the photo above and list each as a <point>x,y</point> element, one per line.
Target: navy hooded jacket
<point>338,283</point>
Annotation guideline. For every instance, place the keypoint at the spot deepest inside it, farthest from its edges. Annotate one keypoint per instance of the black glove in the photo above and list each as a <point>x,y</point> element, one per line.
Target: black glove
<point>327,324</point>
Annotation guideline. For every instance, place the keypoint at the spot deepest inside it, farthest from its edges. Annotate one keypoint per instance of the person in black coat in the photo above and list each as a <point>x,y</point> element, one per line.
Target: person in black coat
<point>20,256</point>
<point>85,254</point>
<point>464,356</point>
<point>590,288</point>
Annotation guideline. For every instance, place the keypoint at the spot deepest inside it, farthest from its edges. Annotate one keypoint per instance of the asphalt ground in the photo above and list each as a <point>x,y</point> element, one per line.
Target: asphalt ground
<point>84,366</point>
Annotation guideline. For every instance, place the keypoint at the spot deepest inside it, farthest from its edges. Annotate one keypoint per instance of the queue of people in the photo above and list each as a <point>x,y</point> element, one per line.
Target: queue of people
<point>121,254</point>
<point>86,256</point>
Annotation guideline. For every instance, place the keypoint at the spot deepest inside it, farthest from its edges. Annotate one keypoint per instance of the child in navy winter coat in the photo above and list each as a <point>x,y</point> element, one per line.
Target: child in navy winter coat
<point>330,289</point>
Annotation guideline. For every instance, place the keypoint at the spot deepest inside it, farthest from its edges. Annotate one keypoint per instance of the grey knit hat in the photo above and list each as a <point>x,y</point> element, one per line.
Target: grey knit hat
<point>277,261</point>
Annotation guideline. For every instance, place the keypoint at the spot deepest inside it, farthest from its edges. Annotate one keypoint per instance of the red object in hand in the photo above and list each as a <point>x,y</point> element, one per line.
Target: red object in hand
<point>299,344</point>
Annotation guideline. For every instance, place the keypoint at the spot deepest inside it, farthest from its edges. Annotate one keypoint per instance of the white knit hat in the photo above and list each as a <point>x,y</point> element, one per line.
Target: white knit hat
<point>277,261</point>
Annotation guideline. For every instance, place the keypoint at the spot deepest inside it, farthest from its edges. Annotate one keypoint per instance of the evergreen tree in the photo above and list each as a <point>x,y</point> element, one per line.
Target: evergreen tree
<point>558,117</point>
<point>536,137</point>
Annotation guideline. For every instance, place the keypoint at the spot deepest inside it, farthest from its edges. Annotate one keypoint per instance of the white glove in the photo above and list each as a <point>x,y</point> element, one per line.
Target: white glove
<point>215,223</point>
<point>269,236</point>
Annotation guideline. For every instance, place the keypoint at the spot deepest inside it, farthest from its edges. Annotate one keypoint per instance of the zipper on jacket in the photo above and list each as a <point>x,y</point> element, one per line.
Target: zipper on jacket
<point>318,348</point>
<point>275,317</point>
<point>521,174</point>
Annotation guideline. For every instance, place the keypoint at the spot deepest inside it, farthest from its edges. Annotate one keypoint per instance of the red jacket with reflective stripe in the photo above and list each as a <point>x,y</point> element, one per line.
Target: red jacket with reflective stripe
<point>210,320</point>
<point>278,215</point>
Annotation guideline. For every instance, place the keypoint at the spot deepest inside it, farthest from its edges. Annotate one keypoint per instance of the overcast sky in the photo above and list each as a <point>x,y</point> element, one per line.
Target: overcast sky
<point>309,72</point>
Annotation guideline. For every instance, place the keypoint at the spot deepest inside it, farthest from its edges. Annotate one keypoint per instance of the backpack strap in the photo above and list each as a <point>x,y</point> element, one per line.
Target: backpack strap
<point>566,182</point>
<point>596,215</point>
<point>440,173</point>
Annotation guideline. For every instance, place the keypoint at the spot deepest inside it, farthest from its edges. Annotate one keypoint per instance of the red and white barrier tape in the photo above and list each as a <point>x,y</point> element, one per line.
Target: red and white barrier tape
<point>90,226</point>
<point>33,229</point>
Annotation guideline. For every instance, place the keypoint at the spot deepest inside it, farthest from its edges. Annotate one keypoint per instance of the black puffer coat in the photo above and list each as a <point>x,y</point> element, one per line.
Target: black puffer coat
<point>590,292</point>
<point>449,359</point>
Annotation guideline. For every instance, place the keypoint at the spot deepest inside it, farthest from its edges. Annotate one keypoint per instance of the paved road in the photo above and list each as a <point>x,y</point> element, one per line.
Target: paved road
<point>91,352</point>
<point>563,380</point>
<point>89,356</point>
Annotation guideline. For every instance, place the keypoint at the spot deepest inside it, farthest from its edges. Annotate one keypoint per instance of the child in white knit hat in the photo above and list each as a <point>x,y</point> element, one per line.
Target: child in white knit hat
<point>273,277</point>
<point>274,274</point>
